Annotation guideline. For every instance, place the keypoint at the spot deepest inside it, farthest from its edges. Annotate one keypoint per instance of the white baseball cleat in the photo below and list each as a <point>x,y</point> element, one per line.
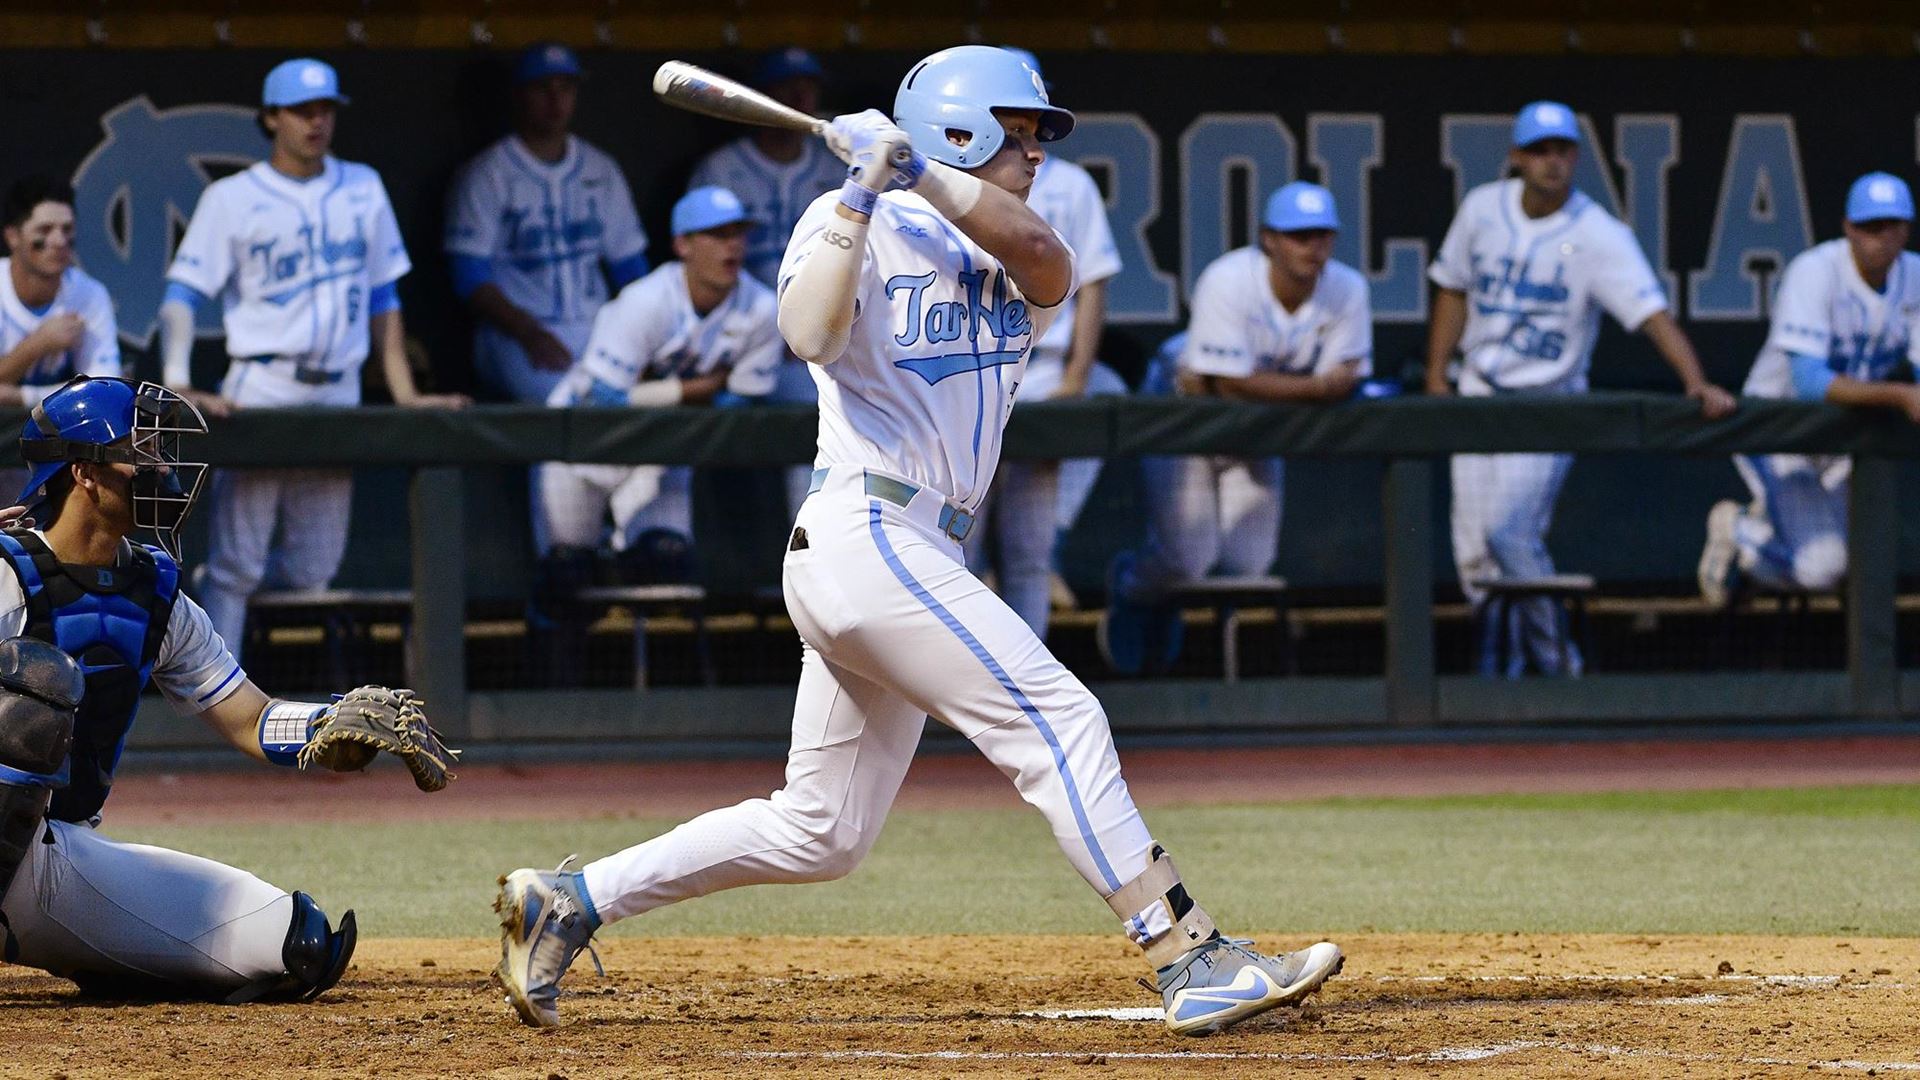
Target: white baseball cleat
<point>1718,557</point>
<point>546,918</point>
<point>1222,982</point>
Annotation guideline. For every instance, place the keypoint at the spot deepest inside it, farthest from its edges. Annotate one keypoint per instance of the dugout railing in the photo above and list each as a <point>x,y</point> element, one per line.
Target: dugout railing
<point>1410,435</point>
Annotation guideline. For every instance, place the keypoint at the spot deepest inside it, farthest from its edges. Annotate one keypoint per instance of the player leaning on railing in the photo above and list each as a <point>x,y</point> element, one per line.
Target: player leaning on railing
<point>87,618</point>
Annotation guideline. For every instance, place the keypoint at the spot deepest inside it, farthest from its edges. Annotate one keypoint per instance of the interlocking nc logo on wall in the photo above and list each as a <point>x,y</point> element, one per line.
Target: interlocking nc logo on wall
<point>136,191</point>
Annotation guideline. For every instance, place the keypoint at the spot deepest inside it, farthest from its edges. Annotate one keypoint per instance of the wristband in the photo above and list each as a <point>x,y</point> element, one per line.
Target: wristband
<point>284,726</point>
<point>858,197</point>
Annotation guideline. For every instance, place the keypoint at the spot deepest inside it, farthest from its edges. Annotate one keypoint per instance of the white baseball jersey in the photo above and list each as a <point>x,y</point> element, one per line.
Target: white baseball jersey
<point>651,331</point>
<point>1238,327</point>
<point>1066,197</point>
<point>1535,288</point>
<point>774,193</point>
<point>938,347</point>
<point>294,263</point>
<point>546,227</point>
<point>1824,309</point>
<point>97,353</point>
<point>194,669</point>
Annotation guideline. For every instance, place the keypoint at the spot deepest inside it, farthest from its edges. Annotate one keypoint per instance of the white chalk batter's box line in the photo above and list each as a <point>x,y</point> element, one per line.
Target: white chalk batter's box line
<point>1430,1057</point>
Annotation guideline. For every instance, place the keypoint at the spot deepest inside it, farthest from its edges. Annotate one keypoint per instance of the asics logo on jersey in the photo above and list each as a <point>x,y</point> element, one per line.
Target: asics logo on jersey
<point>911,230</point>
<point>1002,321</point>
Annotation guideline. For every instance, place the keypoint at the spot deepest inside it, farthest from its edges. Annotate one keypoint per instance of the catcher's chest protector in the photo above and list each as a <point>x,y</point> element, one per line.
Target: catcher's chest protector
<point>111,620</point>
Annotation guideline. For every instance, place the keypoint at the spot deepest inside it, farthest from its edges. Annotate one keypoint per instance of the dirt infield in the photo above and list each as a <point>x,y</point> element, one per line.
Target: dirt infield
<point>965,780</point>
<point>1466,1006</point>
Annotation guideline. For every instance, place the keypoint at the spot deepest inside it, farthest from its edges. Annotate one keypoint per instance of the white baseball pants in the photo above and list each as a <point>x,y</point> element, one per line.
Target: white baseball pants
<point>1209,513</point>
<point>1502,509</point>
<point>896,630</point>
<point>1798,538</point>
<point>306,509</point>
<point>572,501</point>
<point>86,904</point>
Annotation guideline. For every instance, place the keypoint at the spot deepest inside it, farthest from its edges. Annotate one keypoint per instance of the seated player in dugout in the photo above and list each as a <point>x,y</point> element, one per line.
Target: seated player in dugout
<point>1278,321</point>
<point>1846,329</point>
<point>696,331</point>
<point>88,617</point>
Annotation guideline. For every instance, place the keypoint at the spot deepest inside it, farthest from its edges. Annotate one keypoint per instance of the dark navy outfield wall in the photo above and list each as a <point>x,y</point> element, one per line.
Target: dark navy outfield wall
<point>1723,168</point>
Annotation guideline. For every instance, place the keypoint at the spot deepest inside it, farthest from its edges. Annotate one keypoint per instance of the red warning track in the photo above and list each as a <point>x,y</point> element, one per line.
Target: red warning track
<point>965,780</point>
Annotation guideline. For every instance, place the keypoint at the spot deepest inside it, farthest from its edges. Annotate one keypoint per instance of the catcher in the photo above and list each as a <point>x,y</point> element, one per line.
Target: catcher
<point>87,618</point>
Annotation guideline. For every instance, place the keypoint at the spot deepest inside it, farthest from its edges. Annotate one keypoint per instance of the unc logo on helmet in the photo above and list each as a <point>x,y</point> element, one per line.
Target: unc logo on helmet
<point>958,89</point>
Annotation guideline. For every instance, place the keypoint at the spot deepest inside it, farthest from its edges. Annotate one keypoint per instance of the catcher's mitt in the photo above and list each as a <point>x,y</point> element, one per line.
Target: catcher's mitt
<point>374,718</point>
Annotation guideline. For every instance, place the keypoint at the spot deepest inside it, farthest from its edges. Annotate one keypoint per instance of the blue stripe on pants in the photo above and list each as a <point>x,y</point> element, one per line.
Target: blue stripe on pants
<point>966,637</point>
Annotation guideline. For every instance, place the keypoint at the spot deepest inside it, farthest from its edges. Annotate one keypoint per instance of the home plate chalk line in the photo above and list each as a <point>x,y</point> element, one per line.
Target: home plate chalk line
<point>1441,1055</point>
<point>1810,982</point>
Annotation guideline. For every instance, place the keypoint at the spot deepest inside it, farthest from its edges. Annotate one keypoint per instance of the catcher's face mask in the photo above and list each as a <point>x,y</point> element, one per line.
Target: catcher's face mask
<point>165,485</point>
<point>113,422</point>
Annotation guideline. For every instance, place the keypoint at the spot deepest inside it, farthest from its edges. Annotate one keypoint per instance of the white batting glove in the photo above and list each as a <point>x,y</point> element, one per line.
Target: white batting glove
<point>869,142</point>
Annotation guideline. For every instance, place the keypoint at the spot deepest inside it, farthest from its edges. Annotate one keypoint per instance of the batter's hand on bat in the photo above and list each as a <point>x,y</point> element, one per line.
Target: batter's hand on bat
<point>1715,402</point>
<point>869,142</point>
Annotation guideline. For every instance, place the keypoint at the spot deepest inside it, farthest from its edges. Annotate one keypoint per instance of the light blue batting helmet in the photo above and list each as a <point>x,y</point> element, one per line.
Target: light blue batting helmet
<point>957,89</point>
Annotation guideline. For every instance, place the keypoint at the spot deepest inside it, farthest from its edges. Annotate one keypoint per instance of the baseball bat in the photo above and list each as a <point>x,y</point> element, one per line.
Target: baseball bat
<point>695,89</point>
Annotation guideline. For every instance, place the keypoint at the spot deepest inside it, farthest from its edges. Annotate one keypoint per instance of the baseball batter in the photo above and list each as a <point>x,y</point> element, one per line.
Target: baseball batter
<point>778,174</point>
<point>1846,325</point>
<point>87,618</point>
<point>917,308</point>
<point>55,321</point>
<point>1280,321</point>
<point>1036,502</point>
<point>1526,268</point>
<point>682,335</point>
<point>306,257</point>
<point>531,222</point>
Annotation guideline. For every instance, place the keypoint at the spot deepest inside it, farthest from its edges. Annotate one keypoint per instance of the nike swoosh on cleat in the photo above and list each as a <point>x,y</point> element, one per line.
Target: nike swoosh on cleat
<point>1252,985</point>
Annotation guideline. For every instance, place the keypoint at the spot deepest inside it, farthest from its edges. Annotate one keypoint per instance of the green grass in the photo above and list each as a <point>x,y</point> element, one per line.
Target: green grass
<point>1811,861</point>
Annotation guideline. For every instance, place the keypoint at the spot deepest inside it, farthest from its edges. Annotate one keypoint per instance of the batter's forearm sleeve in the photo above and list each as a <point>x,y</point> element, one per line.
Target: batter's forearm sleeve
<point>817,305</point>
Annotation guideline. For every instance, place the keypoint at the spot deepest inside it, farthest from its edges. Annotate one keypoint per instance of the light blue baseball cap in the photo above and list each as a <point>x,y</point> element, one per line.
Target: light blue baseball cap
<point>545,59</point>
<point>1544,120</point>
<point>1878,196</point>
<point>706,208</point>
<point>1300,205</point>
<point>296,82</point>
<point>791,62</point>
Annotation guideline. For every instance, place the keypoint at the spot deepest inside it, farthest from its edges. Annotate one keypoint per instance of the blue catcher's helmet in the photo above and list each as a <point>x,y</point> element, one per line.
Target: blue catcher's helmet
<point>114,421</point>
<point>957,89</point>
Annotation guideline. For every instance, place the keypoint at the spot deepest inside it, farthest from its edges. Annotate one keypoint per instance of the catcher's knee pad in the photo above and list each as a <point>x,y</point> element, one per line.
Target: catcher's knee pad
<point>1160,883</point>
<point>40,690</point>
<point>315,954</point>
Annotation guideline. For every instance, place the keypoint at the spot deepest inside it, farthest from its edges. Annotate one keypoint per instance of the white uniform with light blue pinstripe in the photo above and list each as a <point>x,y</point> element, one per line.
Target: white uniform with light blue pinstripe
<point>1535,290</point>
<point>299,267</point>
<point>1795,533</point>
<point>895,627</point>
<point>546,228</point>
